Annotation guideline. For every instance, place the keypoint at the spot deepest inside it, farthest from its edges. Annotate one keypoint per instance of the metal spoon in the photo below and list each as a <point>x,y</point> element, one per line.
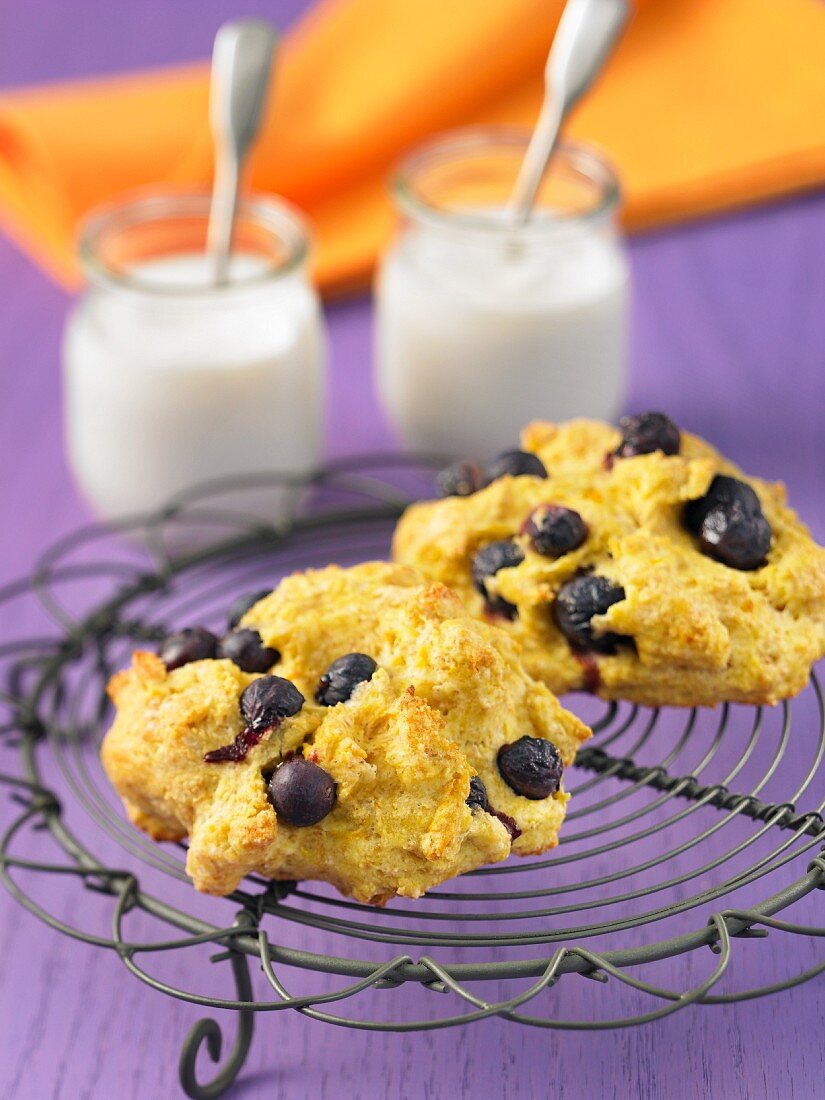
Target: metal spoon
<point>241,66</point>
<point>586,33</point>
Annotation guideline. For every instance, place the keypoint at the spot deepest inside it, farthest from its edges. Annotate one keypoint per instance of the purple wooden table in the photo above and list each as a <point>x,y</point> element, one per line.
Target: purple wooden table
<point>729,336</point>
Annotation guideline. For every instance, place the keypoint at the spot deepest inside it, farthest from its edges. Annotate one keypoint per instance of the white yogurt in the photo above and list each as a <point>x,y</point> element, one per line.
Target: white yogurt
<point>483,326</point>
<point>473,342</point>
<point>164,390</point>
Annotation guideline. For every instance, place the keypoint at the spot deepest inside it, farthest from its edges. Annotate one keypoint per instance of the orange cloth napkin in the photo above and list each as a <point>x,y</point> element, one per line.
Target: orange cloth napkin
<point>706,104</point>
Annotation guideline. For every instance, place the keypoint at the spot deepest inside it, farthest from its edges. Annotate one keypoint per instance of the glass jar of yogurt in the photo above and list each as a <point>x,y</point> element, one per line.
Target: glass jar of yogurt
<point>171,380</point>
<point>484,324</point>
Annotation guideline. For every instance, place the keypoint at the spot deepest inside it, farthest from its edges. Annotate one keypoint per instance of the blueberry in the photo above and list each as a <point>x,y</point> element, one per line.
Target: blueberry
<point>238,608</point>
<point>478,795</point>
<point>531,766</point>
<point>268,700</point>
<point>342,678</point>
<point>193,644</point>
<point>459,480</point>
<point>735,536</point>
<point>648,432</point>
<point>264,705</point>
<point>515,464</point>
<point>577,601</point>
<point>729,523</point>
<point>477,798</point>
<point>248,651</point>
<point>301,792</point>
<point>724,491</point>
<point>554,530</point>
<point>486,563</point>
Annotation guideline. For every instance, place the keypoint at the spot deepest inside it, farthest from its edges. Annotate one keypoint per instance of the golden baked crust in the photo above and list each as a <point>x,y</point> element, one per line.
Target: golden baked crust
<point>448,693</point>
<point>701,632</point>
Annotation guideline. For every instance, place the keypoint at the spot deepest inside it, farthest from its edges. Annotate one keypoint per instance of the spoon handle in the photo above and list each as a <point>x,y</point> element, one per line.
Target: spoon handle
<point>584,37</point>
<point>241,66</point>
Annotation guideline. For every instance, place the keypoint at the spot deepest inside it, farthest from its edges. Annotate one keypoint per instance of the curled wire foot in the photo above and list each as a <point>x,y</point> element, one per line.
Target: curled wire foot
<point>207,1032</point>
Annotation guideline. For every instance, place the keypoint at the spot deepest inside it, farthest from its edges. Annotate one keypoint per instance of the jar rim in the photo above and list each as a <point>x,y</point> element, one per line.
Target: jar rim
<point>275,217</point>
<point>585,159</point>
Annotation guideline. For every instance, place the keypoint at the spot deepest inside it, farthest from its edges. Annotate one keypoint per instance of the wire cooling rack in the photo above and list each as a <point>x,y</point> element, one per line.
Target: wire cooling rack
<point>687,830</point>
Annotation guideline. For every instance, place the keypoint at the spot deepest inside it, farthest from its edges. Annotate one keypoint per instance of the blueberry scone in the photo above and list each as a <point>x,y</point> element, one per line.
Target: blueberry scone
<point>636,563</point>
<point>356,726</point>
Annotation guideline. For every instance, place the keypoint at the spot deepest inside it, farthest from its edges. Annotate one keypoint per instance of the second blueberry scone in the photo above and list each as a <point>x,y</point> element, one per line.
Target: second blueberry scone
<point>636,563</point>
<point>356,726</point>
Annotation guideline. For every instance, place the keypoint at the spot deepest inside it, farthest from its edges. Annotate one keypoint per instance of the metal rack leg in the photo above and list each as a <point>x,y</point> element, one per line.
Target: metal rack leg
<point>208,1031</point>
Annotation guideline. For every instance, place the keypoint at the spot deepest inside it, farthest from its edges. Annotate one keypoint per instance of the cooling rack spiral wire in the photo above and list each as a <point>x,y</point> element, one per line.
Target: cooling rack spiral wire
<point>652,789</point>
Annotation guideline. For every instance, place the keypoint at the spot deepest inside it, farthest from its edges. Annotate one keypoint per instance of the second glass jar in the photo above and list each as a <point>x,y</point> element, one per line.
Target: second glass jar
<point>484,324</point>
